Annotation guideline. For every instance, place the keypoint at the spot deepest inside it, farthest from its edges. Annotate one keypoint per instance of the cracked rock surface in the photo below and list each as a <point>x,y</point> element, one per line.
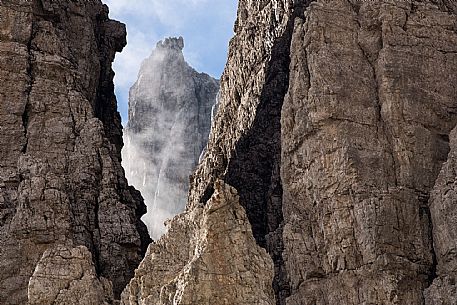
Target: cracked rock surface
<point>329,176</point>
<point>444,215</point>
<point>365,131</point>
<point>333,127</point>
<point>61,180</point>
<point>209,256</point>
<point>67,276</point>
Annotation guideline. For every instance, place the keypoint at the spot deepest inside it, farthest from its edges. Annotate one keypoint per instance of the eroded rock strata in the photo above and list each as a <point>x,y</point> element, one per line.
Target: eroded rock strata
<point>329,176</point>
<point>65,207</point>
<point>170,109</point>
<point>333,128</point>
<point>365,130</point>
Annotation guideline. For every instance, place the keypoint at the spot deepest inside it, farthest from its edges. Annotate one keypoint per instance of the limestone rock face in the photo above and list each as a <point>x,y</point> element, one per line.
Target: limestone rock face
<point>333,126</point>
<point>67,276</point>
<point>244,152</point>
<point>209,256</point>
<point>443,290</point>
<point>61,180</point>
<point>170,108</point>
<point>365,130</point>
<point>328,178</point>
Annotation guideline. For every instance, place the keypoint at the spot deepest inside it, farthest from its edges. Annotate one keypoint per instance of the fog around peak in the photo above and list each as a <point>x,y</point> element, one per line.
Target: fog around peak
<point>206,25</point>
<point>169,121</point>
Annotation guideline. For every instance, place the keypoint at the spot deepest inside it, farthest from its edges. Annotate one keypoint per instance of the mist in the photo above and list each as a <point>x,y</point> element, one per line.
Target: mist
<point>170,109</point>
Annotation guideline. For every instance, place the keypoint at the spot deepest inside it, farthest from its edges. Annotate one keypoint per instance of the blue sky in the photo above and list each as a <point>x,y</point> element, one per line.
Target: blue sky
<point>206,25</point>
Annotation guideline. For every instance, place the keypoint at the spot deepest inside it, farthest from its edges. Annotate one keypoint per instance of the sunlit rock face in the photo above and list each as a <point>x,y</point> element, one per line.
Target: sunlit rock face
<point>61,180</point>
<point>169,121</point>
<point>334,123</point>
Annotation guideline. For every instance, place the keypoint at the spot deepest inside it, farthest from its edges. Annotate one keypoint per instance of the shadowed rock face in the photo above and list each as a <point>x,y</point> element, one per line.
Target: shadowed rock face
<point>170,110</point>
<point>329,176</point>
<point>333,127</point>
<point>61,180</point>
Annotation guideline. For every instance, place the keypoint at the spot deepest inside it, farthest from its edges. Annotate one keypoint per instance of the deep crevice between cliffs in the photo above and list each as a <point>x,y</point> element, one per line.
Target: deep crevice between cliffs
<point>28,91</point>
<point>255,168</point>
<point>424,210</point>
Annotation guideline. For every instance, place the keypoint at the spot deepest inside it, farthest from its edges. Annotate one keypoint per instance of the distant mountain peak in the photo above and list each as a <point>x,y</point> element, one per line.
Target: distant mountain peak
<point>174,43</point>
<point>170,109</point>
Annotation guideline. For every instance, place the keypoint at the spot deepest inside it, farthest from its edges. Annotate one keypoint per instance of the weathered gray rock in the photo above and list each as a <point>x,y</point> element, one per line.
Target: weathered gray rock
<point>170,109</point>
<point>246,132</point>
<point>443,290</point>
<point>364,134</point>
<point>61,180</point>
<point>209,256</point>
<point>333,126</point>
<point>327,151</point>
<point>67,276</point>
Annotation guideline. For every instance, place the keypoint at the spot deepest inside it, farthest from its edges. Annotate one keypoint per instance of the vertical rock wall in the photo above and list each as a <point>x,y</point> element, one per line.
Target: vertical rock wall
<point>243,151</point>
<point>61,180</point>
<point>365,130</point>
<point>333,127</point>
<point>323,181</point>
<point>443,214</point>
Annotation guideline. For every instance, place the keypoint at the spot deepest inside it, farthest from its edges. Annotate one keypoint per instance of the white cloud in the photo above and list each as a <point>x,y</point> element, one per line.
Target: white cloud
<point>149,21</point>
<point>176,14</point>
<point>127,63</point>
<point>206,26</point>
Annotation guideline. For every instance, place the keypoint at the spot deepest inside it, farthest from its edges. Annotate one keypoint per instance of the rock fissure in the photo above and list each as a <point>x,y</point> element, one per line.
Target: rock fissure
<point>372,61</point>
<point>95,239</point>
<point>328,177</point>
<point>28,90</point>
<point>433,270</point>
<point>260,148</point>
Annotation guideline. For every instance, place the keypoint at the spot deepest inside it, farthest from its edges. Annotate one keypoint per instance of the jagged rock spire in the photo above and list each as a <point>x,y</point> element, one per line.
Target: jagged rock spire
<point>334,123</point>
<point>169,121</point>
<point>171,43</point>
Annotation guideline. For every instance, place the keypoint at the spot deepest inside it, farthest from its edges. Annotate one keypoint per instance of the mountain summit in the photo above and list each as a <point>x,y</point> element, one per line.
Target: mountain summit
<point>170,109</point>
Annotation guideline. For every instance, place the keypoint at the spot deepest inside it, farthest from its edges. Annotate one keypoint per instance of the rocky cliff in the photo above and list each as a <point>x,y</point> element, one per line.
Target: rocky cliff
<point>335,121</point>
<point>67,215</point>
<point>329,176</point>
<point>170,109</point>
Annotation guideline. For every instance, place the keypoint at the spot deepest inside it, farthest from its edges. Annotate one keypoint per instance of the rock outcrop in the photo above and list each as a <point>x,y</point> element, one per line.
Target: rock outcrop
<point>444,217</point>
<point>62,187</point>
<point>328,178</point>
<point>67,276</point>
<point>333,127</point>
<point>208,257</point>
<point>365,130</point>
<point>170,109</point>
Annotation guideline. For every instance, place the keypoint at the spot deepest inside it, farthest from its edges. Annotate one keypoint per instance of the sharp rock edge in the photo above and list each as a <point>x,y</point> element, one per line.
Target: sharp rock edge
<point>333,126</point>
<point>328,177</point>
